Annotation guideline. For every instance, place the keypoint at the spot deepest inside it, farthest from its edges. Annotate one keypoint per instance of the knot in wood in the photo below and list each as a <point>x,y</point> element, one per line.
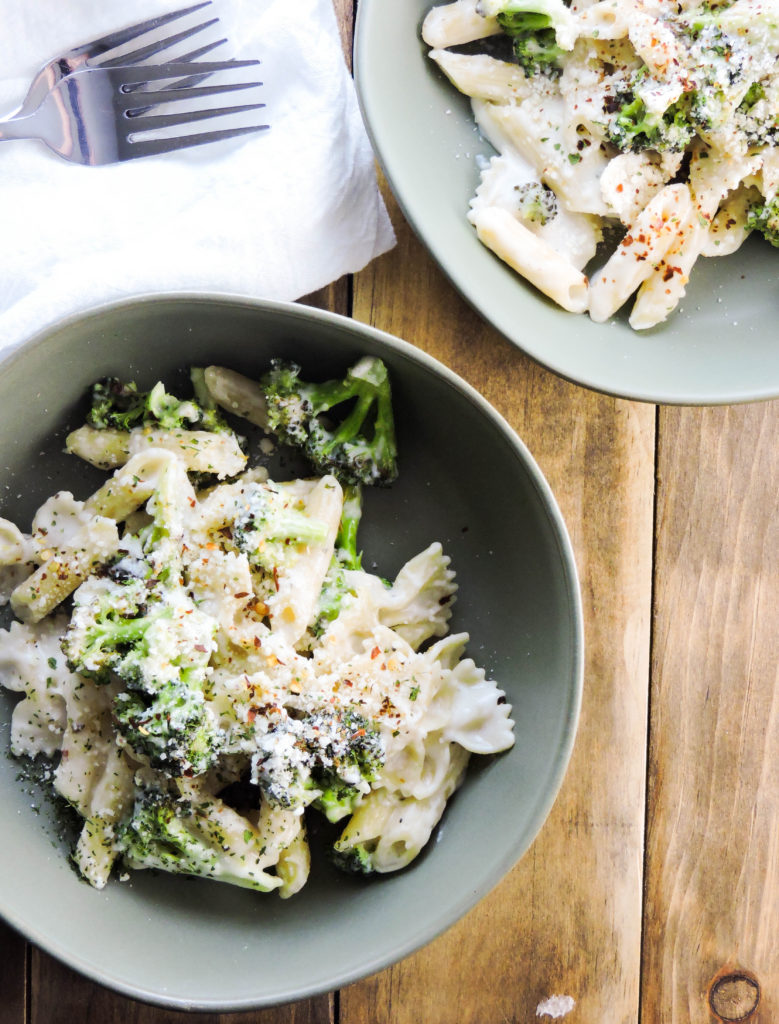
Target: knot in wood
<point>734,997</point>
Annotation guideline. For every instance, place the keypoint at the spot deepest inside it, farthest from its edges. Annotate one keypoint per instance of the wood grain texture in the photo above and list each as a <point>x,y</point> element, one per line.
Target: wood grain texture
<point>713,839</point>
<point>13,977</point>
<point>335,297</point>
<point>60,996</point>
<point>344,12</point>
<point>567,920</point>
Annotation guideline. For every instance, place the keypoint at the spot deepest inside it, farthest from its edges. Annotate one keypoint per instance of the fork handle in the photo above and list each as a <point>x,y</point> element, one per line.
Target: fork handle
<point>18,128</point>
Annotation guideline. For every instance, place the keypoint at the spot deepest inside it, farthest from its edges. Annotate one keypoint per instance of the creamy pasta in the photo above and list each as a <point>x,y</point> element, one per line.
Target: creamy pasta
<point>649,119</point>
<point>205,665</point>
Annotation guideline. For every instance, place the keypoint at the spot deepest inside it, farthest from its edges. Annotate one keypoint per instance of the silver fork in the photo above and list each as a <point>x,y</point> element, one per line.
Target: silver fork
<point>94,116</point>
<point>93,53</point>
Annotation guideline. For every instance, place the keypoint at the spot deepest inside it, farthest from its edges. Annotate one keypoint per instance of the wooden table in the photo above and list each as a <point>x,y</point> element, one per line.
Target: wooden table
<point>652,892</point>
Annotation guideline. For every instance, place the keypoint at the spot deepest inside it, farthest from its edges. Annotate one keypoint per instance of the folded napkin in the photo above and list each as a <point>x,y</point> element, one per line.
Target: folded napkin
<point>275,214</point>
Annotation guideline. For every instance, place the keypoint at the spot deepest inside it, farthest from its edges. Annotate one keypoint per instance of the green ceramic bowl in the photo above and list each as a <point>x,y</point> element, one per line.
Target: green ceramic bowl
<point>719,347</point>
<point>466,480</point>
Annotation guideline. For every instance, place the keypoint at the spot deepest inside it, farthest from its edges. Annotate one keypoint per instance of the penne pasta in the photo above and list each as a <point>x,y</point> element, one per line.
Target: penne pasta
<point>635,116</point>
<point>530,256</point>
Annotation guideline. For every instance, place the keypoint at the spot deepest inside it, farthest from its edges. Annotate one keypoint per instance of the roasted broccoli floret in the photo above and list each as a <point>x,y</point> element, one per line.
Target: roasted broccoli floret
<point>203,839</point>
<point>536,202</point>
<point>269,522</point>
<point>356,860</point>
<point>168,725</point>
<point>632,128</point>
<point>119,406</point>
<point>137,624</point>
<point>756,116</point>
<point>764,217</point>
<point>537,52</point>
<point>745,21</point>
<point>326,758</point>
<point>159,652</point>
<point>346,765</point>
<point>344,427</point>
<point>533,26</point>
<point>112,635</point>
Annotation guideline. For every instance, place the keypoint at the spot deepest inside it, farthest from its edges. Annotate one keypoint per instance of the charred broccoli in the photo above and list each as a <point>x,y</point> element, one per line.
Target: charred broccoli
<point>633,128</point>
<point>326,758</point>
<point>205,839</point>
<point>268,523</point>
<point>137,624</point>
<point>533,26</point>
<point>158,647</point>
<point>344,427</point>
<point>356,860</point>
<point>120,406</point>
<point>764,217</point>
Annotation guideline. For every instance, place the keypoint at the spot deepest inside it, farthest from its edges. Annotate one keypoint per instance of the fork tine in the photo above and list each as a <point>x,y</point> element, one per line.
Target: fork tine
<point>197,54</point>
<point>152,147</point>
<point>125,35</point>
<point>126,77</point>
<point>175,94</point>
<point>191,80</point>
<point>148,122</point>
<point>143,52</point>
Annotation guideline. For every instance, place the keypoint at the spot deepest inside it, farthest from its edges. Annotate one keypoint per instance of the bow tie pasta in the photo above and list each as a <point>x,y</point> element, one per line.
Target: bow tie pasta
<point>206,662</point>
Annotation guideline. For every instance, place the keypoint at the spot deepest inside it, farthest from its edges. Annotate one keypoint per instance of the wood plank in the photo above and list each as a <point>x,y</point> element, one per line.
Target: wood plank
<point>713,839</point>
<point>61,996</point>
<point>567,920</point>
<point>13,976</point>
<point>344,12</point>
<point>336,297</point>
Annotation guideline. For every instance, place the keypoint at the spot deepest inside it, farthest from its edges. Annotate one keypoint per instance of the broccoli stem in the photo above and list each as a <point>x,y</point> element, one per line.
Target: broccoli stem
<point>346,538</point>
<point>299,413</point>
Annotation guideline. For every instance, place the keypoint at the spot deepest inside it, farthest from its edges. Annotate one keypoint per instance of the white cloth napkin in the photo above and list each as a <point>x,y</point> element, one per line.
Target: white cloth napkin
<point>276,214</point>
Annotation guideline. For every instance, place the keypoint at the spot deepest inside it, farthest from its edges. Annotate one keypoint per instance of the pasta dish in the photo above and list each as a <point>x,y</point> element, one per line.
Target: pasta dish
<point>204,659</point>
<point>632,137</point>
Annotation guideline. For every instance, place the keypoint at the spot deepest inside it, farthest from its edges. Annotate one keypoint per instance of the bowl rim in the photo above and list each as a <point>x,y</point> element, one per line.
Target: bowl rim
<point>454,910</point>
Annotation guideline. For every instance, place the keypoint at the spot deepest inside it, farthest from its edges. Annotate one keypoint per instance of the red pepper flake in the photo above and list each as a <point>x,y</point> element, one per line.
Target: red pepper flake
<point>240,594</point>
<point>375,652</point>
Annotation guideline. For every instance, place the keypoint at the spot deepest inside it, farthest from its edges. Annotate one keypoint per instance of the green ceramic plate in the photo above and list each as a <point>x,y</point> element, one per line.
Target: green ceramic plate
<point>467,481</point>
<point>720,347</point>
